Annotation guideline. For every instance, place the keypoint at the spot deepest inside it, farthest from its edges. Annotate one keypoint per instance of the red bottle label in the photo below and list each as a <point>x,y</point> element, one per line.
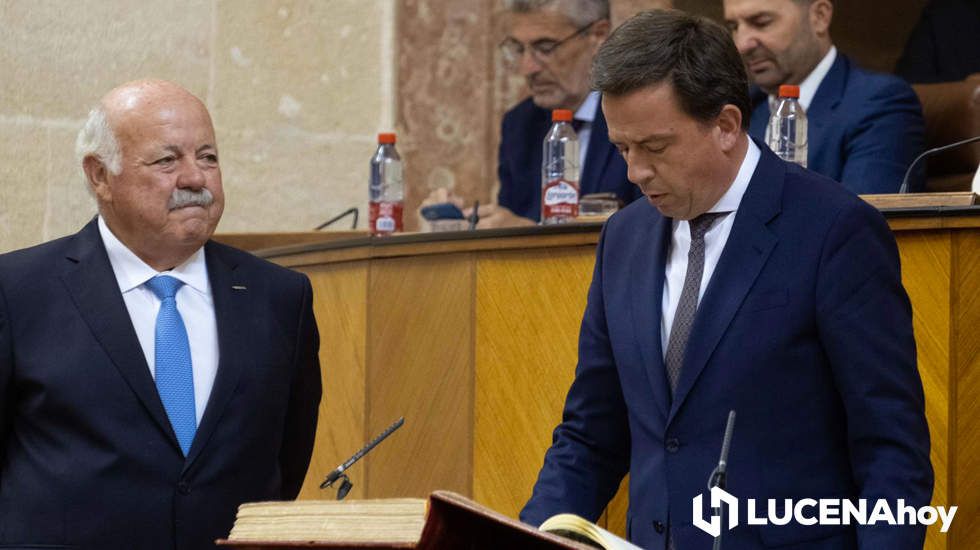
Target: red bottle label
<point>559,199</point>
<point>385,217</point>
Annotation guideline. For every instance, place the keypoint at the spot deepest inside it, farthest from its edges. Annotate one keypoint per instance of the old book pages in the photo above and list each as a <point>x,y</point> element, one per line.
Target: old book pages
<point>382,520</point>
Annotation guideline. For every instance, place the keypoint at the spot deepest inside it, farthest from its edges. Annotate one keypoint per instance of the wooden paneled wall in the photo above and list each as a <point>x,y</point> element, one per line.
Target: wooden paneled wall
<point>941,271</point>
<point>475,343</point>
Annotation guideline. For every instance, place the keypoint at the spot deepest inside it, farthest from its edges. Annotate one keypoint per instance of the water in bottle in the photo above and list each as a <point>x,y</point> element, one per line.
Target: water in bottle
<point>387,192</point>
<point>560,171</point>
<point>787,127</point>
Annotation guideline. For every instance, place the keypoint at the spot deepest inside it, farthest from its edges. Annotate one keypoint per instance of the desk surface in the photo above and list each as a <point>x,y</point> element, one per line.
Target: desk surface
<point>585,234</point>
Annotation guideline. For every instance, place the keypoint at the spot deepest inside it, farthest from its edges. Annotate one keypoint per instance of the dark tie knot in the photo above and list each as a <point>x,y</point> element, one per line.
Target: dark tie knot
<point>701,224</point>
<point>164,286</point>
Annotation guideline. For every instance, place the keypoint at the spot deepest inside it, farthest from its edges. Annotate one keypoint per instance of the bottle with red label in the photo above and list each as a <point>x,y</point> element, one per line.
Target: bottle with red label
<point>560,171</point>
<point>387,192</point>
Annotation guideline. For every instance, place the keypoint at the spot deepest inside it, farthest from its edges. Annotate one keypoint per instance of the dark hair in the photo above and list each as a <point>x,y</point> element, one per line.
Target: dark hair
<point>695,55</point>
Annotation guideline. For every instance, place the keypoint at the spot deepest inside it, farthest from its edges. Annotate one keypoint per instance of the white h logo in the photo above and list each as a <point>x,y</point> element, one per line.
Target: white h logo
<point>718,496</point>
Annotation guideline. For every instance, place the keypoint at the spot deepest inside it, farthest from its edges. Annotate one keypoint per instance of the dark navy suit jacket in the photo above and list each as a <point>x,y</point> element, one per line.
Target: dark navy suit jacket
<point>519,162</point>
<point>865,128</point>
<point>89,459</point>
<point>804,330</point>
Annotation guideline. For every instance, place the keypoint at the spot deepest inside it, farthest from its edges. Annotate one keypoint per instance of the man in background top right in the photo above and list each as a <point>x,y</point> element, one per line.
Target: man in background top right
<point>865,128</point>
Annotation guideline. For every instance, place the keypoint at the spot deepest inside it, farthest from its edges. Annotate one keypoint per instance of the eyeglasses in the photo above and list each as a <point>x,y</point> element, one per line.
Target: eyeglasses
<point>541,50</point>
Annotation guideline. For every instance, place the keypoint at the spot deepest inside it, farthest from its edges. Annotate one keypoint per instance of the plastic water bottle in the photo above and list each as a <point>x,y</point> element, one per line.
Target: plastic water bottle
<point>387,192</point>
<point>560,171</point>
<point>787,127</point>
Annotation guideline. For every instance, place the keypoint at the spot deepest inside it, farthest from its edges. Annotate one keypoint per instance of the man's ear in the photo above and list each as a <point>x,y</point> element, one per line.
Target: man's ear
<point>97,176</point>
<point>600,30</point>
<point>729,124</point>
<point>821,13</point>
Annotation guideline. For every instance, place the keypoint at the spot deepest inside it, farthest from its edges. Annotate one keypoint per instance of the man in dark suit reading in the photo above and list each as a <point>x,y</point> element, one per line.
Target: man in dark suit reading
<point>151,380</point>
<point>742,283</point>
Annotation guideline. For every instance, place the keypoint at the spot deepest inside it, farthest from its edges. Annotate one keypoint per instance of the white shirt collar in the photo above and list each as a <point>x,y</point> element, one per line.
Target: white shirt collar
<point>808,88</point>
<point>732,198</point>
<point>131,272</point>
<point>586,111</point>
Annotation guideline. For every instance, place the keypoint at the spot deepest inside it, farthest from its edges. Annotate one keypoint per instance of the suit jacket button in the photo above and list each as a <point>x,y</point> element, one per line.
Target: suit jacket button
<point>673,445</point>
<point>184,488</point>
<point>658,526</point>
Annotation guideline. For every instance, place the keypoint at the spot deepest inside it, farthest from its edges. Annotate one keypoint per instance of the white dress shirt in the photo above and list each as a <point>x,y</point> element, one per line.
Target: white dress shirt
<point>714,244</point>
<point>586,114</point>
<point>194,302</point>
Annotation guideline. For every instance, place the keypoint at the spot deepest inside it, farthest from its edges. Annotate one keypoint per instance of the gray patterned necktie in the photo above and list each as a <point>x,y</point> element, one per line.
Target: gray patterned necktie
<point>687,306</point>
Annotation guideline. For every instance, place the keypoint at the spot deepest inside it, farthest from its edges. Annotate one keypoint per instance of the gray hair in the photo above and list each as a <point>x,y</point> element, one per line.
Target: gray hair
<point>97,139</point>
<point>580,12</point>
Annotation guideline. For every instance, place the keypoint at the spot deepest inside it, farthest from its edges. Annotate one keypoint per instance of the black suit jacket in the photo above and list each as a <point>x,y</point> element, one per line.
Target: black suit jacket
<point>89,459</point>
<point>522,136</point>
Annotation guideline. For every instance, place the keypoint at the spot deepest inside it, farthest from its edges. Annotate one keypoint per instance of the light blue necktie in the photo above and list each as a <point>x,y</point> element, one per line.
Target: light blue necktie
<point>174,376</point>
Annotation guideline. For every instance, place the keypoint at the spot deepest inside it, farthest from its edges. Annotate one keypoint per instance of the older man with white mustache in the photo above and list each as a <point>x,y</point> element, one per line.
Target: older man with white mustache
<point>151,379</point>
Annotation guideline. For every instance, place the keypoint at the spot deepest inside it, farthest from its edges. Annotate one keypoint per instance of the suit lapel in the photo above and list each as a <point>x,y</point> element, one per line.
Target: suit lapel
<point>92,285</point>
<point>760,114</point>
<point>230,308</point>
<point>598,155</point>
<point>647,280</point>
<point>746,252</point>
<point>826,100</point>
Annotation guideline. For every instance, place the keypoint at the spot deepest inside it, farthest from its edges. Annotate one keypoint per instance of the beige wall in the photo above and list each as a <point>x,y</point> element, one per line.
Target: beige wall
<point>297,89</point>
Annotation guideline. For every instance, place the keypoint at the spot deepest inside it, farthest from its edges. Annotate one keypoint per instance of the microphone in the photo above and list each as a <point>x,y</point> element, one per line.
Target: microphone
<point>338,473</point>
<point>935,151</point>
<point>718,476</point>
<point>475,216</point>
<point>351,210</point>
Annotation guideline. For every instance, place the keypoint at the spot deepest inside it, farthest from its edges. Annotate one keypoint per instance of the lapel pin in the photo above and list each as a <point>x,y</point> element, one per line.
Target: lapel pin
<point>238,287</point>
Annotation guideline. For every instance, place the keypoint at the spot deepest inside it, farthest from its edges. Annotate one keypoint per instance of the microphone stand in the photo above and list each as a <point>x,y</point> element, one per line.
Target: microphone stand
<point>338,473</point>
<point>905,181</point>
<point>349,211</point>
<point>718,478</point>
<point>475,216</point>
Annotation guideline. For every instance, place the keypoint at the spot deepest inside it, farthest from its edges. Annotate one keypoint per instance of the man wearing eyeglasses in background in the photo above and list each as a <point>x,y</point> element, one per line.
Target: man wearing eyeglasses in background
<point>551,44</point>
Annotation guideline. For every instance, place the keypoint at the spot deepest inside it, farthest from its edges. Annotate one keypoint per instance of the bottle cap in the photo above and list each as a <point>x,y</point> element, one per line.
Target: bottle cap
<point>384,138</point>
<point>788,90</point>
<point>561,115</point>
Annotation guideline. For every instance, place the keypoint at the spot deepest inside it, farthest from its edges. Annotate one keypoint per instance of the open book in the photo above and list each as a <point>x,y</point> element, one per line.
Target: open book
<point>446,520</point>
<point>582,530</point>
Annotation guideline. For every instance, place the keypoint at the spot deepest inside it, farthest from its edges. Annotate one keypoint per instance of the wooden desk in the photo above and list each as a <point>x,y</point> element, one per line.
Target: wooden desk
<point>472,337</point>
